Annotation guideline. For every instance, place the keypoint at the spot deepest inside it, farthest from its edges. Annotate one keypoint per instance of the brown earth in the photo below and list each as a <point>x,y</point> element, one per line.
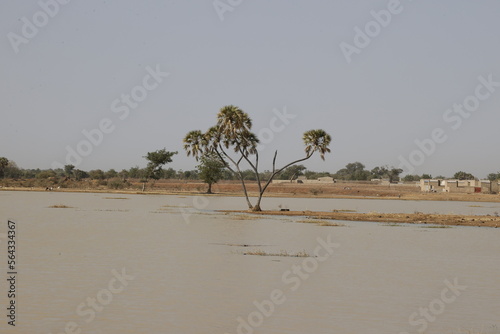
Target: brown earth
<point>233,188</point>
<point>408,218</point>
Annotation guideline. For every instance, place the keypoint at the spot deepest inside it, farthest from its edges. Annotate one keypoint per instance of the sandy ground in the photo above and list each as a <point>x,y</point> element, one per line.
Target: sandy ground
<point>233,188</point>
<point>409,218</point>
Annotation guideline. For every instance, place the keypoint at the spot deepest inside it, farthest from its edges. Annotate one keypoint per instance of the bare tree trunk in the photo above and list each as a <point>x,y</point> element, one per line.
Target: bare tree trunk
<point>273,174</point>
<point>237,172</point>
<point>209,191</point>
<point>250,206</point>
<point>257,207</point>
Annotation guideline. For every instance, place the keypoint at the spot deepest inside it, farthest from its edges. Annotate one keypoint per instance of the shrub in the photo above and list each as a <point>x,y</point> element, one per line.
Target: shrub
<point>116,183</point>
<point>315,191</point>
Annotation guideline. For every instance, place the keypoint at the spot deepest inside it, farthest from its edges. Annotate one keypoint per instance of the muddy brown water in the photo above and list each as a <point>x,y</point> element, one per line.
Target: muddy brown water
<point>114,263</point>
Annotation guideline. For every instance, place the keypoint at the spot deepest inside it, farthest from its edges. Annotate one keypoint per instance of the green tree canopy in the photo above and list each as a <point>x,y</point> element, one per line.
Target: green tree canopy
<point>111,174</point>
<point>12,171</point>
<point>4,162</point>
<point>211,169</point>
<point>68,170</point>
<point>353,171</point>
<point>386,172</point>
<point>311,175</point>
<point>156,160</point>
<point>410,178</point>
<point>463,176</point>
<point>136,172</point>
<point>493,176</point>
<point>80,174</point>
<point>96,174</point>
<point>123,174</point>
<point>292,172</point>
<point>394,174</point>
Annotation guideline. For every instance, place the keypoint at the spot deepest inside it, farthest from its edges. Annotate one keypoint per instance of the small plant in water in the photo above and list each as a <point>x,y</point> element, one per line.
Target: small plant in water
<point>60,206</point>
<point>260,252</point>
<point>393,224</point>
<point>319,222</point>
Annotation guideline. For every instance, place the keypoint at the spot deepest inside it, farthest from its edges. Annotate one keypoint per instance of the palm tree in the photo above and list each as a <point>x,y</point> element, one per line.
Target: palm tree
<point>233,130</point>
<point>317,140</point>
<point>193,143</point>
<point>231,120</point>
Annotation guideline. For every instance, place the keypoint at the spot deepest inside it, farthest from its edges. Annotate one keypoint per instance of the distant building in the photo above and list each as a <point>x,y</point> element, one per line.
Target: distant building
<point>431,185</point>
<point>459,186</point>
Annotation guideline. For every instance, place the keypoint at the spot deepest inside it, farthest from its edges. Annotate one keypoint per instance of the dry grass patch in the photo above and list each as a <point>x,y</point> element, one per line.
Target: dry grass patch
<point>319,222</point>
<point>237,245</point>
<point>60,206</point>
<point>243,217</point>
<point>195,212</point>
<point>282,253</point>
<point>251,216</point>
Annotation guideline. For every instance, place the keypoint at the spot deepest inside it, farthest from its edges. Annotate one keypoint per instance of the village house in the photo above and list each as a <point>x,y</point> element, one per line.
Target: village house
<point>459,186</point>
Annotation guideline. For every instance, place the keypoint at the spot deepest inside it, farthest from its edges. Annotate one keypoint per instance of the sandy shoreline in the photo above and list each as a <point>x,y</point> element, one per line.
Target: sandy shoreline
<point>408,218</point>
<point>283,191</point>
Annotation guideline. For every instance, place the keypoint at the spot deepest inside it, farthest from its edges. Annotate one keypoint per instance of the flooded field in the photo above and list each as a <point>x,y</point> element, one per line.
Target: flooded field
<point>113,263</point>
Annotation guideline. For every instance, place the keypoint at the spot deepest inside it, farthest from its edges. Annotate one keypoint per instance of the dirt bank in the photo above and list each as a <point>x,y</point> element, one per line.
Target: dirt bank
<point>409,218</point>
<point>291,190</point>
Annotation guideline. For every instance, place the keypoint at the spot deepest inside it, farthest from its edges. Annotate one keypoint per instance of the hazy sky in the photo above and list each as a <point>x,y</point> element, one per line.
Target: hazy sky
<point>376,75</point>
